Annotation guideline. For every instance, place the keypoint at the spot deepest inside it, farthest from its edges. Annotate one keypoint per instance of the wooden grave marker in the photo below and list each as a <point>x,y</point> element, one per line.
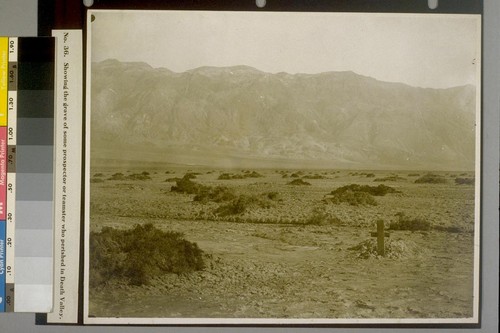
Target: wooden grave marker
<point>380,234</point>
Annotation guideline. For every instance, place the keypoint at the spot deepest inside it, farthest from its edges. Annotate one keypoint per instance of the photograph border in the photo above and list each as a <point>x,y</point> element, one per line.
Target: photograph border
<point>385,322</point>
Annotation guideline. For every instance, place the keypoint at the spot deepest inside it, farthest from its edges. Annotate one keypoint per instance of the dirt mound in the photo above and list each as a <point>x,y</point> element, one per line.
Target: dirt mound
<point>394,249</point>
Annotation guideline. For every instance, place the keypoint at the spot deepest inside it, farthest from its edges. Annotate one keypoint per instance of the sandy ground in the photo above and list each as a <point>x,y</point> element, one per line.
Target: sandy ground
<point>291,272</point>
<point>257,270</point>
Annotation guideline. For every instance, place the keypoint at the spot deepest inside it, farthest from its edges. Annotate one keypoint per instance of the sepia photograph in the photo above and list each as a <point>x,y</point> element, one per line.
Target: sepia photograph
<point>282,168</point>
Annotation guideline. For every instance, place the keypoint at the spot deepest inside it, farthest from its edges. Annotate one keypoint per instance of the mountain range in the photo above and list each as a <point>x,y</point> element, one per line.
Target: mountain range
<point>240,116</point>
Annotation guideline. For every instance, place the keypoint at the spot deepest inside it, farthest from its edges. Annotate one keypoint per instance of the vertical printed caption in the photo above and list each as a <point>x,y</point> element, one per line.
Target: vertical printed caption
<point>67,175</point>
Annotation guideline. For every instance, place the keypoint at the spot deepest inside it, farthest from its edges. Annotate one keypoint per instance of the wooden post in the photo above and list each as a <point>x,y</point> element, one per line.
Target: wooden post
<point>380,238</point>
<point>380,234</point>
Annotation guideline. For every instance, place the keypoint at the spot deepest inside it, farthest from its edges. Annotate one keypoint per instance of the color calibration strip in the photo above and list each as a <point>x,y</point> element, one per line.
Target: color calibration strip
<point>34,175</point>
<point>4,65</point>
<point>11,175</point>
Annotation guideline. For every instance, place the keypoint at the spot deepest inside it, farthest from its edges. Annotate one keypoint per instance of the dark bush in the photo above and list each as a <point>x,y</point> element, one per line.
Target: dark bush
<point>190,175</point>
<point>241,204</point>
<point>389,179</point>
<point>185,185</point>
<point>214,194</point>
<point>430,179</point>
<point>273,196</point>
<point>245,174</point>
<point>173,179</point>
<point>320,217</point>
<point>464,181</point>
<point>298,182</point>
<point>97,180</point>
<point>315,176</point>
<point>450,229</point>
<point>352,198</point>
<point>406,223</point>
<point>297,174</point>
<point>139,176</point>
<point>98,175</point>
<point>137,255</point>
<point>117,176</point>
<point>229,176</point>
<point>379,190</point>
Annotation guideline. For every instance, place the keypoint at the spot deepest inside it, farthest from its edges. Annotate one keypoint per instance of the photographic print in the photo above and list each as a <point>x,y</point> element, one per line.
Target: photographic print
<point>279,167</point>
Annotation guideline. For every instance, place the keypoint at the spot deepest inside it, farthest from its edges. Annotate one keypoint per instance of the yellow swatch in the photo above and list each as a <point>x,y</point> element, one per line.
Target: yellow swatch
<point>4,68</point>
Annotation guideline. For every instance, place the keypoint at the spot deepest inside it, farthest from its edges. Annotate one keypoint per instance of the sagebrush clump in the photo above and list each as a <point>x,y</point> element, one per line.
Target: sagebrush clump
<point>431,179</point>
<point>215,194</point>
<point>319,216</point>
<point>464,181</point>
<point>242,203</point>
<point>356,195</point>
<point>393,178</point>
<point>137,255</point>
<point>405,222</point>
<point>186,185</point>
<point>298,182</point>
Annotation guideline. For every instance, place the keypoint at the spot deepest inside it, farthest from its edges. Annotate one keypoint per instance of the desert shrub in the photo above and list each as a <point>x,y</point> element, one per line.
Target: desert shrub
<point>315,176</point>
<point>173,179</point>
<point>356,195</point>
<point>190,175</point>
<point>185,185</point>
<point>298,182</point>
<point>297,174</point>
<point>451,229</point>
<point>237,206</point>
<point>464,181</point>
<point>241,204</point>
<point>284,175</point>
<point>245,174</point>
<point>98,175</point>
<point>430,179</point>
<point>352,198</point>
<point>272,196</point>
<point>139,176</point>
<point>214,194</point>
<point>97,180</point>
<point>394,249</point>
<point>389,179</point>
<point>369,175</point>
<point>137,255</point>
<point>145,173</point>
<point>413,175</point>
<point>379,190</point>
<point>319,216</point>
<point>117,176</point>
<point>407,223</point>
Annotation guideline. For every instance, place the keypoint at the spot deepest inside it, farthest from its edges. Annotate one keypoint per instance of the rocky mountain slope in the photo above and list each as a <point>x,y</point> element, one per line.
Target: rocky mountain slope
<point>220,116</point>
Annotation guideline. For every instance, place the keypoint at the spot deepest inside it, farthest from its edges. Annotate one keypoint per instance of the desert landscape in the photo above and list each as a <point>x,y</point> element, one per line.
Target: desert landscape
<point>229,192</point>
<point>283,243</point>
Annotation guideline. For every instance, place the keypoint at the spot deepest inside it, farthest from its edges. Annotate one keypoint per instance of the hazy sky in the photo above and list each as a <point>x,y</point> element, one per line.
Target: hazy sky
<point>437,51</point>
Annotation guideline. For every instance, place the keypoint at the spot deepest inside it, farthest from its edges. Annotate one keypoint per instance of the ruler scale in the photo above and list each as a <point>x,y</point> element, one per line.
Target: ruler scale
<point>11,175</point>
<point>34,175</point>
<point>4,65</point>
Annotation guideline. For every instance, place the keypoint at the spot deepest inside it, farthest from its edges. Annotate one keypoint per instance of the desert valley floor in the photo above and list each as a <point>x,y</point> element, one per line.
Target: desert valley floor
<point>290,249</point>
